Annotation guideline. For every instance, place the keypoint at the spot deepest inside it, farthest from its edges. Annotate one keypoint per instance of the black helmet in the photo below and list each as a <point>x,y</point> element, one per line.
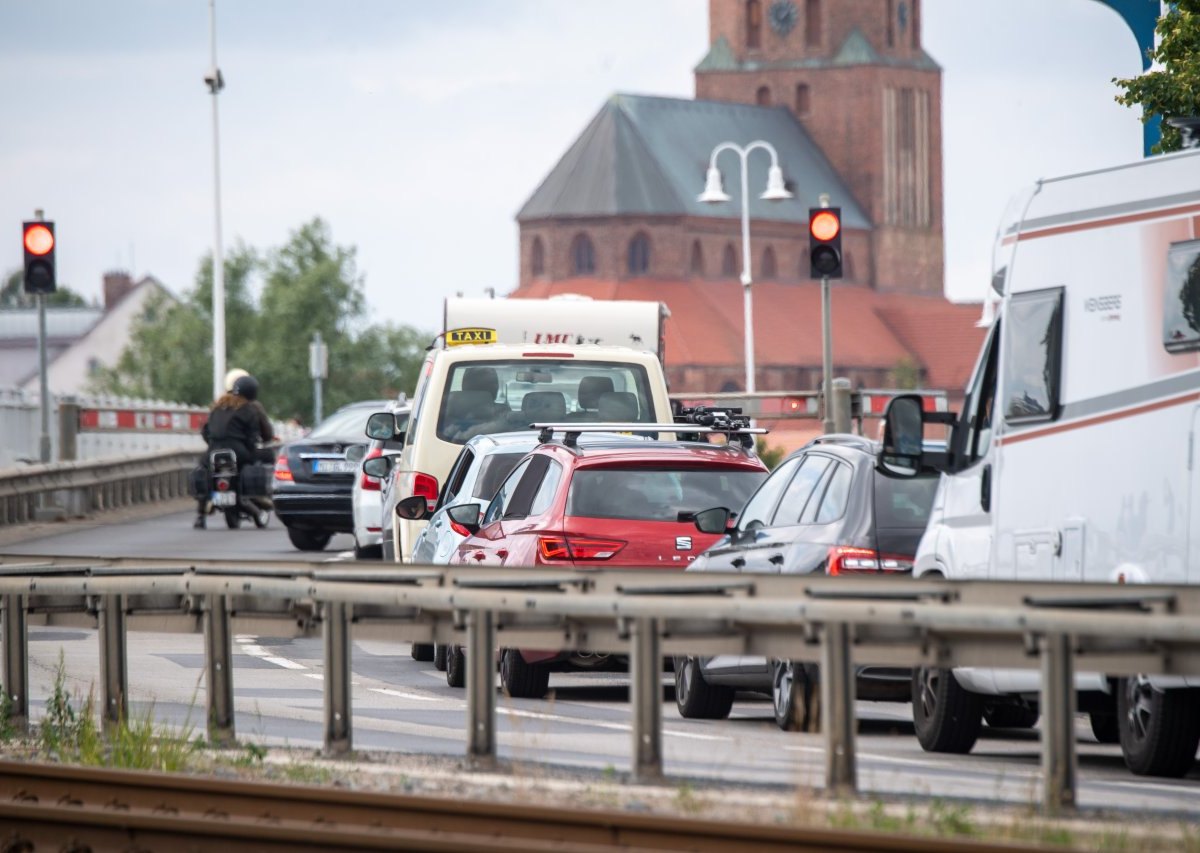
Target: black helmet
<point>246,386</point>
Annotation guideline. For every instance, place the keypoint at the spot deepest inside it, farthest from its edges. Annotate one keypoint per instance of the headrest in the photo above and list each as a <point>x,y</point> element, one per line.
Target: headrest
<point>544,406</point>
<point>590,389</point>
<point>468,405</point>
<point>481,379</point>
<point>618,407</point>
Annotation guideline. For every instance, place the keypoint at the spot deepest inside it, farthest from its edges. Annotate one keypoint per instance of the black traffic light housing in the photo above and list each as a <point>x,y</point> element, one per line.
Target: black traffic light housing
<point>825,242</point>
<point>39,243</point>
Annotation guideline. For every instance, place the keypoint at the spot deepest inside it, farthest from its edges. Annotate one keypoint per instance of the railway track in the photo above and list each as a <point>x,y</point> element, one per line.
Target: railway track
<point>56,807</point>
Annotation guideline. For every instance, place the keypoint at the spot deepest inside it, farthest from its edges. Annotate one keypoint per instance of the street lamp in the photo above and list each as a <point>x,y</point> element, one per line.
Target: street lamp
<point>216,83</point>
<point>714,193</point>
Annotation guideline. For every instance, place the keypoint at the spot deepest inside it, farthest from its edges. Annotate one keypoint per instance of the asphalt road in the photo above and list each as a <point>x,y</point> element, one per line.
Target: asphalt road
<point>406,706</point>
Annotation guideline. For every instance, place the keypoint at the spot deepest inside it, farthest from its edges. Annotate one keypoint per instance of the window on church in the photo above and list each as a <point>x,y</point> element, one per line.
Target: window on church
<point>763,96</point>
<point>639,254</point>
<point>812,23</point>
<point>891,23</point>
<point>537,257</point>
<point>769,271</point>
<point>583,255</point>
<point>803,99</point>
<point>916,24</point>
<point>697,264</point>
<point>729,261</point>
<point>753,24</point>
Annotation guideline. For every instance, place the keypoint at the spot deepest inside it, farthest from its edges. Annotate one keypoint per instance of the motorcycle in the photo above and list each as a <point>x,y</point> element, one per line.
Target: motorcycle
<point>232,492</point>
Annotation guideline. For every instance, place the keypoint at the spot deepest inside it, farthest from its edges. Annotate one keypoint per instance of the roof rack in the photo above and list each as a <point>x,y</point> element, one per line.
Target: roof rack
<point>572,431</point>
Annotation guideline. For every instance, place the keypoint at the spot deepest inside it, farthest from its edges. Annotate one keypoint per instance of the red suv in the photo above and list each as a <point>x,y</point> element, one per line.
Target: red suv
<point>627,502</point>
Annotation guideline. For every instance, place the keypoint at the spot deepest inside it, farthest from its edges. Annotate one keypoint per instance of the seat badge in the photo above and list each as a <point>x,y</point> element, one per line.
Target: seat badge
<point>683,543</point>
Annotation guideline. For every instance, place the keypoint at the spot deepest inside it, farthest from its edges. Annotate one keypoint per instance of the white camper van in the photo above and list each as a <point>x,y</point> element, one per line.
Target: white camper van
<point>1075,455</point>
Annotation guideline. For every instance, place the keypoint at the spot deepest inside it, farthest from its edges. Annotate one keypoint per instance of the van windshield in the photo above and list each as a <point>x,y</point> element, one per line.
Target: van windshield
<point>485,397</point>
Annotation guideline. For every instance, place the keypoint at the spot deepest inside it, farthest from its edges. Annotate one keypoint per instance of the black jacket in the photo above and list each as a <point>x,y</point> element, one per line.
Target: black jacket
<point>238,425</point>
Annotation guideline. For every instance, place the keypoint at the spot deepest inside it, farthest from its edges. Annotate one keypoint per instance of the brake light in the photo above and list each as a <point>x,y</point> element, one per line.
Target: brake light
<point>282,470</point>
<point>553,548</point>
<point>427,487</point>
<point>369,483</point>
<point>547,355</point>
<point>846,560</point>
<point>458,528</point>
<point>222,485</point>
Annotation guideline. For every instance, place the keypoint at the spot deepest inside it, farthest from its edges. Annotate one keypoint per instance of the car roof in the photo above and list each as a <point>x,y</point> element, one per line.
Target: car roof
<point>607,450</point>
<point>381,405</point>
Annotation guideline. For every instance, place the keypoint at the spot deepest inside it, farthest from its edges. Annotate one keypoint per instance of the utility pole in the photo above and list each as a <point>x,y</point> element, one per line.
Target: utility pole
<point>216,83</point>
<point>318,369</point>
<point>826,342</point>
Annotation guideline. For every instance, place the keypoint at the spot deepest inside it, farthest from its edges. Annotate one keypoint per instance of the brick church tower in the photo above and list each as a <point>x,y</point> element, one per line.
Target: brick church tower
<point>856,76</point>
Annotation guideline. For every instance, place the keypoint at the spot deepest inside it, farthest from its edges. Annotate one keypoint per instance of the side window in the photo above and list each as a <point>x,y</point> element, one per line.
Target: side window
<point>505,493</point>
<point>1181,313</point>
<point>418,406</point>
<point>546,491</point>
<point>457,474</point>
<point>761,506</point>
<point>521,499</point>
<point>978,415</point>
<point>800,491</point>
<point>1033,358</point>
<point>837,494</point>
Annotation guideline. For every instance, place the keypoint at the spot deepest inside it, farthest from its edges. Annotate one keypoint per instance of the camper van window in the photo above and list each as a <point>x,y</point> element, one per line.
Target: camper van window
<point>1034,356</point>
<point>981,403</point>
<point>1181,315</point>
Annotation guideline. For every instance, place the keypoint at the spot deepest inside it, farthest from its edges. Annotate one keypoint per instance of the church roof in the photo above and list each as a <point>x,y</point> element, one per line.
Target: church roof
<point>648,156</point>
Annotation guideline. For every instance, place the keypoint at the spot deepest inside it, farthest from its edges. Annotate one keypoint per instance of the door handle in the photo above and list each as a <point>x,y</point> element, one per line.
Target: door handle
<point>478,555</point>
<point>985,489</point>
<point>502,554</point>
<point>776,559</point>
<point>738,563</point>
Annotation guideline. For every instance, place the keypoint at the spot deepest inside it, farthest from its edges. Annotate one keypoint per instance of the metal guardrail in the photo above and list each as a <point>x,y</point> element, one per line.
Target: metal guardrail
<point>837,622</point>
<point>78,488</point>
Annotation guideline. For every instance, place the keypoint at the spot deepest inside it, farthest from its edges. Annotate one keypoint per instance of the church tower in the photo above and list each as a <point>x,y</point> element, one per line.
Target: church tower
<point>856,76</point>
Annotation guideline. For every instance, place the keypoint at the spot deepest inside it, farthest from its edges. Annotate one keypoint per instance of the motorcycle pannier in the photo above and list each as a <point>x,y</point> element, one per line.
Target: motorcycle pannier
<point>198,482</point>
<point>256,480</point>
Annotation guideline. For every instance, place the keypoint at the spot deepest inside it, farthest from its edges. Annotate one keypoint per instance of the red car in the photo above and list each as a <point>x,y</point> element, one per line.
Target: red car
<point>627,502</point>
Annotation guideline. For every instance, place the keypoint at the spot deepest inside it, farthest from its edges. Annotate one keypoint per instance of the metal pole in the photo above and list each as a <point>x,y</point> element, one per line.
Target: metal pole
<point>43,381</point>
<point>837,708</point>
<point>481,688</point>
<point>216,83</point>
<point>1059,765</point>
<point>826,355</point>
<point>645,695</point>
<point>218,659</point>
<point>16,663</point>
<point>841,405</point>
<point>113,668</point>
<point>318,408</point>
<point>747,280</point>
<point>337,678</point>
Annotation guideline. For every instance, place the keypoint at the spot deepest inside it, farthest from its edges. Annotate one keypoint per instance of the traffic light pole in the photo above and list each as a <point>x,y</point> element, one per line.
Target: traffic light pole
<point>43,382</point>
<point>827,354</point>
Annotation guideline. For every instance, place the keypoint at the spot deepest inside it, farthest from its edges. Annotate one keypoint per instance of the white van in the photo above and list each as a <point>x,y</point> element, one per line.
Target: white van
<point>1075,456</point>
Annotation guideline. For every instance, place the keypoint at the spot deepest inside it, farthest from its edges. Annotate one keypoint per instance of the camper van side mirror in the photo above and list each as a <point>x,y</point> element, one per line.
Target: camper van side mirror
<point>381,425</point>
<point>903,436</point>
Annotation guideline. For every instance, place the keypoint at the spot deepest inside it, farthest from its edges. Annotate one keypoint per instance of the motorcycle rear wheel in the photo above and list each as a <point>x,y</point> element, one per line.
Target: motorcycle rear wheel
<point>233,519</point>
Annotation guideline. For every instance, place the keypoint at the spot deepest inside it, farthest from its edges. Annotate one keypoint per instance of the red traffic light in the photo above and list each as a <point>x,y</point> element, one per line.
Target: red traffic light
<point>39,240</point>
<point>825,225</point>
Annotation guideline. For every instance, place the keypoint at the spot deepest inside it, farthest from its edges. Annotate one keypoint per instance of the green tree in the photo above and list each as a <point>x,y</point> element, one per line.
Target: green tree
<point>1172,91</point>
<point>13,295</point>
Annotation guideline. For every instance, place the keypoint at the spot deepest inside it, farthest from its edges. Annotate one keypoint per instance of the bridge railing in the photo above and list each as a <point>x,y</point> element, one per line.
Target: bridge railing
<point>838,623</point>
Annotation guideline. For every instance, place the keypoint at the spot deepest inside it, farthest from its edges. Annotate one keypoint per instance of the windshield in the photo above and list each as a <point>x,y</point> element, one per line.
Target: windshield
<point>347,426</point>
<point>648,494</point>
<point>501,396</point>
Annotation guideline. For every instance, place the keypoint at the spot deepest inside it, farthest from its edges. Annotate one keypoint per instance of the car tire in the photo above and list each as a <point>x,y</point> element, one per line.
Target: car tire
<point>1159,729</point>
<point>1105,726</point>
<point>946,716</point>
<point>439,657</point>
<point>456,667</point>
<point>370,552</point>
<point>422,652</point>
<point>522,680</point>
<point>1007,716</point>
<point>695,697</point>
<point>308,540</point>
<point>233,519</point>
<point>792,696</point>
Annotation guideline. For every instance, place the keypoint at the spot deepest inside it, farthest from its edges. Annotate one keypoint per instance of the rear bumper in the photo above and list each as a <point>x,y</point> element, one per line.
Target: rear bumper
<point>332,513</point>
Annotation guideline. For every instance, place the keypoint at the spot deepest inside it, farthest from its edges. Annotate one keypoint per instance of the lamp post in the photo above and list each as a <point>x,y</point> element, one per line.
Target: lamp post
<point>216,83</point>
<point>714,193</point>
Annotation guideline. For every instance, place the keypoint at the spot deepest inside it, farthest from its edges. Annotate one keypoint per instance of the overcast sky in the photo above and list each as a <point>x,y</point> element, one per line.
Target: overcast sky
<point>417,130</point>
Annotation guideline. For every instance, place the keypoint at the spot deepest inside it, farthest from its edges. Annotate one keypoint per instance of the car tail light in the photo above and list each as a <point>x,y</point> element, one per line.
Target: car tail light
<point>427,486</point>
<point>458,528</point>
<point>282,470</point>
<point>222,485</point>
<point>848,560</point>
<point>553,548</point>
<point>369,483</point>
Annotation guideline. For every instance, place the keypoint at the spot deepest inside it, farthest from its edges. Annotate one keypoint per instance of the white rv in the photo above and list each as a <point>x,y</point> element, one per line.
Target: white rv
<point>1075,455</point>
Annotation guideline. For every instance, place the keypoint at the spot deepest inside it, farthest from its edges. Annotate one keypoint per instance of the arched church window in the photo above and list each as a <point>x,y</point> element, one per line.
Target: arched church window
<point>697,264</point>
<point>763,96</point>
<point>537,257</point>
<point>803,99</point>
<point>769,270</point>
<point>812,23</point>
<point>753,24</point>
<point>729,261</point>
<point>583,255</point>
<point>639,254</point>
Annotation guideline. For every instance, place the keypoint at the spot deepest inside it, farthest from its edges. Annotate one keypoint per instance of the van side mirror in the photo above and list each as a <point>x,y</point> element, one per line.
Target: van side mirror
<point>715,520</point>
<point>382,426</point>
<point>465,516</point>
<point>903,436</point>
<point>379,467</point>
<point>412,508</point>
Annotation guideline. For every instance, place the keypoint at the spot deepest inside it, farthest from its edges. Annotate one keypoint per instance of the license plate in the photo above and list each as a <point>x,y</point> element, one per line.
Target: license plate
<point>224,498</point>
<point>332,466</point>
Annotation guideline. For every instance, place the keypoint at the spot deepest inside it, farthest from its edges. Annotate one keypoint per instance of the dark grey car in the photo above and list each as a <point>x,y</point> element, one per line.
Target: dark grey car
<point>825,509</point>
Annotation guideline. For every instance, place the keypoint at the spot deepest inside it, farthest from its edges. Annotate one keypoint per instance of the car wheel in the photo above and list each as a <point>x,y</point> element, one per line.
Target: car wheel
<point>308,540</point>
<point>695,697</point>
<point>1159,729</point>
<point>522,680</point>
<point>1010,716</point>
<point>422,652</point>
<point>1105,727</point>
<point>370,552</point>
<point>792,695</point>
<point>439,657</point>
<point>947,717</point>
<point>456,667</point>
<point>233,519</point>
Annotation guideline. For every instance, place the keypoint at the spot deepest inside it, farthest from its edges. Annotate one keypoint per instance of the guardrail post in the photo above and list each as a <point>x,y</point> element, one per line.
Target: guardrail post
<point>113,666</point>
<point>218,670</point>
<point>338,738</point>
<point>645,694</point>
<point>838,722</point>
<point>1058,724</point>
<point>481,688</point>
<point>16,663</point>
<point>68,429</point>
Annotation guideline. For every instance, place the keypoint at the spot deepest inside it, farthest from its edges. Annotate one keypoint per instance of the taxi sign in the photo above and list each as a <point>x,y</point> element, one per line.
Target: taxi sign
<point>457,337</point>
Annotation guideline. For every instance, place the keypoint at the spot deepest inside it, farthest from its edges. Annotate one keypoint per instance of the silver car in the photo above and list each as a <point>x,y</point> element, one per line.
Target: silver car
<point>367,501</point>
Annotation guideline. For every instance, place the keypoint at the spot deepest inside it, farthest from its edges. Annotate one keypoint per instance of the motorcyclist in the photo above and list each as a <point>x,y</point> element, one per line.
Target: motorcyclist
<point>238,422</point>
